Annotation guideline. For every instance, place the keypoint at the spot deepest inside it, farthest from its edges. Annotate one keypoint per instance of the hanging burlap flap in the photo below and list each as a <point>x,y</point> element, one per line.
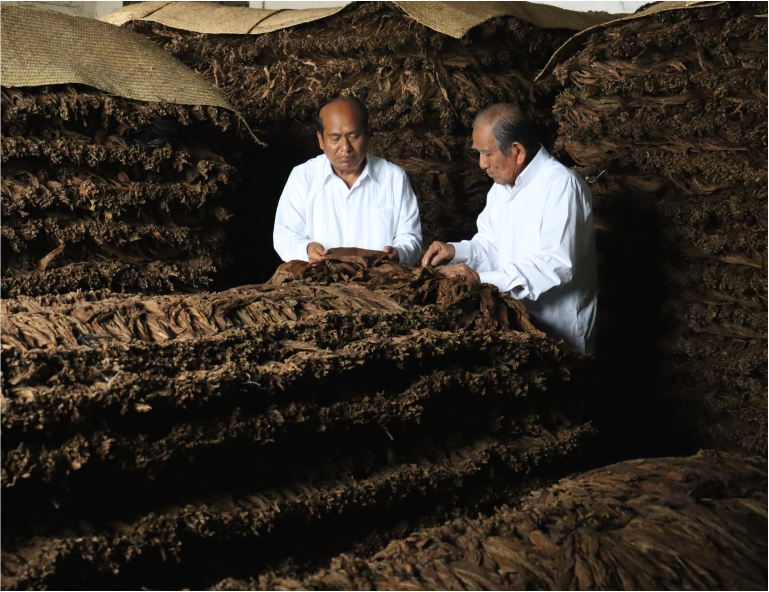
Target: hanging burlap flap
<point>450,18</point>
<point>457,18</point>
<point>573,45</point>
<point>205,17</point>
<point>42,47</point>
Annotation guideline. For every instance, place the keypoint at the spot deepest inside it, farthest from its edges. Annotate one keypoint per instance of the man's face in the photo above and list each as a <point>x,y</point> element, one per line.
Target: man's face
<point>344,140</point>
<point>503,169</point>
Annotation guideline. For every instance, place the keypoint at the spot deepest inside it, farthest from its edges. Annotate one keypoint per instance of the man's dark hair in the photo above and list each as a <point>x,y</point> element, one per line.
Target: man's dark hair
<point>359,105</point>
<point>510,124</point>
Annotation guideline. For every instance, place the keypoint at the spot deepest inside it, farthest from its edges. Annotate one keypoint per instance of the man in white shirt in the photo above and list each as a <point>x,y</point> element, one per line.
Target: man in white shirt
<point>535,236</point>
<point>346,197</point>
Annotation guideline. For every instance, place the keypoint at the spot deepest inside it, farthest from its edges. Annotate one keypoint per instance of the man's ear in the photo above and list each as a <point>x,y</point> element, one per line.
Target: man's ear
<point>521,153</point>
<point>320,140</point>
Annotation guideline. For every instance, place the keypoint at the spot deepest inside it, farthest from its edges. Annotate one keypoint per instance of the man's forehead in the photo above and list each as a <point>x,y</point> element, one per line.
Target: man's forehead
<point>483,139</point>
<point>341,110</point>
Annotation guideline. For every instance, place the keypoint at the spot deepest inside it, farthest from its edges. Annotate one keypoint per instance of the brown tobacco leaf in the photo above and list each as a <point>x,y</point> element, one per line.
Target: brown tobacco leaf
<point>363,257</point>
<point>43,263</point>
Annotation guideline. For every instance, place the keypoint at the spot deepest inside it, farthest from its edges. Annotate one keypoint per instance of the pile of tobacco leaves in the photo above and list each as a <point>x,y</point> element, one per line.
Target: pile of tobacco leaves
<point>175,441</point>
<point>667,118</point>
<point>696,523</point>
<point>101,192</point>
<point>280,435</point>
<point>423,89</point>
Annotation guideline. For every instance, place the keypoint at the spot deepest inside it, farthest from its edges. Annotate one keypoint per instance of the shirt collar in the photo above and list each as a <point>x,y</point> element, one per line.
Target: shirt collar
<point>369,170</point>
<point>532,168</point>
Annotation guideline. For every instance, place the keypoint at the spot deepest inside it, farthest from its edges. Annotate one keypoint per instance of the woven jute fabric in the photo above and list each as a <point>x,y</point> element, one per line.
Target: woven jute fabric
<point>206,17</point>
<point>42,47</point>
<point>457,18</point>
<point>576,42</point>
<point>451,18</point>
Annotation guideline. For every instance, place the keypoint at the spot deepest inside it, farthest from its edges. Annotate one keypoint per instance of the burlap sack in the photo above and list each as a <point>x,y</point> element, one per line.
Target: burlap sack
<point>450,18</point>
<point>573,45</point>
<point>42,47</point>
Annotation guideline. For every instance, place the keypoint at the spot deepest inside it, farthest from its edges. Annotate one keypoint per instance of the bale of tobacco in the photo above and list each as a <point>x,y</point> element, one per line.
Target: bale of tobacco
<point>174,441</point>
<point>696,523</point>
<point>666,116</point>
<point>103,192</point>
<point>422,87</point>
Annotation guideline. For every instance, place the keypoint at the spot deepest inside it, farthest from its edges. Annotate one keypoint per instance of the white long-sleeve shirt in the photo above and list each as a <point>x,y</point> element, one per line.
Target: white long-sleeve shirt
<point>380,209</point>
<point>535,240</point>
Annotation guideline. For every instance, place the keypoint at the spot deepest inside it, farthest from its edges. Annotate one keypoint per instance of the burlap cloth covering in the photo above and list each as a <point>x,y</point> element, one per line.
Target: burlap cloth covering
<point>42,47</point>
<point>576,42</point>
<point>451,18</point>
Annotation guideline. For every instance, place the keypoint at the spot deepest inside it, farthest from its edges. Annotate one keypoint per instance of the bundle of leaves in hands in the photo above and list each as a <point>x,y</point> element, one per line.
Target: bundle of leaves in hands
<point>667,118</point>
<point>423,89</point>
<point>174,441</point>
<point>102,192</point>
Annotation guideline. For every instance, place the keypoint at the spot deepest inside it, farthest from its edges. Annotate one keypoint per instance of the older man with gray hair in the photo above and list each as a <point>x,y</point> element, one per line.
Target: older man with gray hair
<point>535,236</point>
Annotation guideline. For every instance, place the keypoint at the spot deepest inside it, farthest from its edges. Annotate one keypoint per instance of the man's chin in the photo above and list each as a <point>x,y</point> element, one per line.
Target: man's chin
<point>348,166</point>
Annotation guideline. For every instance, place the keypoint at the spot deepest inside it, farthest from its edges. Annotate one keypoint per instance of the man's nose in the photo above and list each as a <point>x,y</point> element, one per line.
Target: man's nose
<point>482,162</point>
<point>346,145</point>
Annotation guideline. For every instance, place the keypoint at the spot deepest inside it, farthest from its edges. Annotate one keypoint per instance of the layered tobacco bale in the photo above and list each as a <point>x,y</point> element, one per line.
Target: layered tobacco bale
<point>667,117</point>
<point>187,439</point>
<point>480,305</point>
<point>100,192</point>
<point>657,524</point>
<point>423,89</point>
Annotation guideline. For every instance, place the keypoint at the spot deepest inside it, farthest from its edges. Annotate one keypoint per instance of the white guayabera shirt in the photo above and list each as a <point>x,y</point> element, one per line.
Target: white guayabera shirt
<point>535,240</point>
<point>380,209</point>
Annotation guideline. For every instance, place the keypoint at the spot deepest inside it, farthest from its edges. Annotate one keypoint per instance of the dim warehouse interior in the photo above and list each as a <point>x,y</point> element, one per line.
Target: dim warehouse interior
<point>183,410</point>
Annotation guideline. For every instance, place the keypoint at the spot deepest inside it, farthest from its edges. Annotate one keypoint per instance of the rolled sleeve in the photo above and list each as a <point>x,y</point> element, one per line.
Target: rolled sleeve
<point>463,252</point>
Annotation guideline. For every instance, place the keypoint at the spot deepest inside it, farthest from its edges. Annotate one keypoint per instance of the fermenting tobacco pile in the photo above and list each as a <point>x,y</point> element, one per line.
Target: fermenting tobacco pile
<point>102,192</point>
<point>657,524</point>
<point>207,431</point>
<point>667,115</point>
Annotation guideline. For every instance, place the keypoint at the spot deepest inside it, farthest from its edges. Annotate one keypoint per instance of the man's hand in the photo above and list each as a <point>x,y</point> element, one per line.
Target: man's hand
<point>438,253</point>
<point>459,269</point>
<point>316,253</point>
<point>392,254</point>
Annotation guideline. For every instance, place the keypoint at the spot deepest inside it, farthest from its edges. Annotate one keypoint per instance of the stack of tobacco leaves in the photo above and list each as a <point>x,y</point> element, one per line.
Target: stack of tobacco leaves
<point>696,523</point>
<point>174,441</point>
<point>481,304</point>
<point>667,116</point>
<point>102,192</point>
<point>423,89</point>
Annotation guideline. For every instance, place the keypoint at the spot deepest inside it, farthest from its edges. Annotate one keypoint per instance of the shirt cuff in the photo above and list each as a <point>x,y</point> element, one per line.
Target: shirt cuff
<point>515,286</point>
<point>463,252</point>
<point>402,255</point>
<point>496,278</point>
<point>300,254</point>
